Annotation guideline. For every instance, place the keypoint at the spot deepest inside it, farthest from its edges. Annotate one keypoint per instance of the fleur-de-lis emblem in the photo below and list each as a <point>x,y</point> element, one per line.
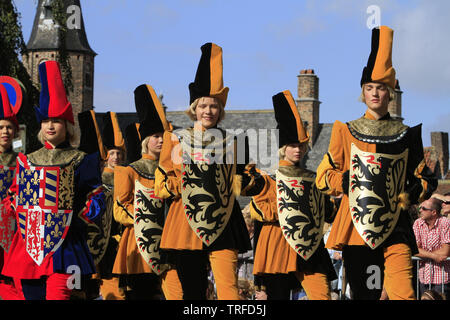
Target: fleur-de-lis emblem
<point>56,232</point>
<point>34,200</point>
<point>28,189</point>
<point>35,179</point>
<point>22,200</point>
<point>48,243</point>
<point>49,222</point>
<point>9,175</point>
<point>22,178</point>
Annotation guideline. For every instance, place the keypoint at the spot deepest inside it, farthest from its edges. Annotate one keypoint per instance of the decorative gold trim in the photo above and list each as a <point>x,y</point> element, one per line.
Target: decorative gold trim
<point>377,131</point>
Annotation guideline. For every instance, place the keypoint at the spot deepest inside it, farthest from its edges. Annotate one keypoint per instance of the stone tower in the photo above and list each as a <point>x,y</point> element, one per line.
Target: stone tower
<point>308,102</point>
<point>395,105</point>
<point>439,140</point>
<point>44,43</point>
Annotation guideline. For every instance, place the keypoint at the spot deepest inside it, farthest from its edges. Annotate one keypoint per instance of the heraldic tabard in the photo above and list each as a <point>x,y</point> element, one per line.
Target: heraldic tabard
<point>44,206</point>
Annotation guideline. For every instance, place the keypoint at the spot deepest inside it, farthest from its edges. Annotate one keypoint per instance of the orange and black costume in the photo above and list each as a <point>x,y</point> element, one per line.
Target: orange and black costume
<point>281,265</point>
<point>138,265</point>
<point>378,166</point>
<point>191,248</point>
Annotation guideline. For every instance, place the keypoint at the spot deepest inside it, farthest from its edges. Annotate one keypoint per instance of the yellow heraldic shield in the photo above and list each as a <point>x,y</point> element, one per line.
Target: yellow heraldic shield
<point>148,225</point>
<point>301,213</point>
<point>98,235</point>
<point>376,181</point>
<point>207,182</point>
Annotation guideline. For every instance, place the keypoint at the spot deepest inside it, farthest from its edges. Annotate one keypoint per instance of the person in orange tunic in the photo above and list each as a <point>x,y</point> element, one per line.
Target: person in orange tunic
<point>290,250</point>
<point>377,163</point>
<point>138,261</point>
<point>204,222</point>
<point>104,238</point>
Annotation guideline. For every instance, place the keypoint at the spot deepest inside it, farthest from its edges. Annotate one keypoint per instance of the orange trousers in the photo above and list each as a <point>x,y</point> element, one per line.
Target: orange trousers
<point>110,290</point>
<point>224,265</point>
<point>316,285</point>
<point>398,272</point>
<point>171,285</point>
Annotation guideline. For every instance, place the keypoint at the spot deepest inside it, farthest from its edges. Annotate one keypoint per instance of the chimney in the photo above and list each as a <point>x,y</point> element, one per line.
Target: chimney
<point>308,102</point>
<point>395,105</point>
<point>439,140</point>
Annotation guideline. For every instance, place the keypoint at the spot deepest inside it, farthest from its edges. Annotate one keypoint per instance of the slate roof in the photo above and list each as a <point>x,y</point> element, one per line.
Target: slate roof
<point>44,35</point>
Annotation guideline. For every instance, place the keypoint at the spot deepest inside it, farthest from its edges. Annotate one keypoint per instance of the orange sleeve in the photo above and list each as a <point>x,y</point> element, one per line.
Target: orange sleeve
<point>330,170</point>
<point>168,174</point>
<point>264,204</point>
<point>123,195</point>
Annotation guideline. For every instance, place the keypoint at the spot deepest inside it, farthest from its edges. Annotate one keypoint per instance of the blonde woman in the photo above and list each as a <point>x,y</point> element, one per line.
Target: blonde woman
<point>142,274</point>
<point>55,194</point>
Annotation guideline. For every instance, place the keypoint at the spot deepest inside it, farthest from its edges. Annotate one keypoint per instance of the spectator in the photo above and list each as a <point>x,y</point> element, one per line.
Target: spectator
<point>432,232</point>
<point>445,211</point>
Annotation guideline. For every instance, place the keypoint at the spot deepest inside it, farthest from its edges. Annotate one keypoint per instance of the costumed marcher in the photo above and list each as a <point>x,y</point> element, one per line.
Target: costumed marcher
<point>138,263</point>
<point>9,128</point>
<point>103,239</point>
<point>204,223</point>
<point>377,163</point>
<point>55,194</point>
<point>290,249</point>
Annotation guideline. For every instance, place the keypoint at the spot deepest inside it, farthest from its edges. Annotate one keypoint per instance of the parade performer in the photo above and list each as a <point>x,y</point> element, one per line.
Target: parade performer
<point>9,128</point>
<point>55,193</point>
<point>103,239</point>
<point>377,163</point>
<point>293,212</point>
<point>204,222</point>
<point>138,262</point>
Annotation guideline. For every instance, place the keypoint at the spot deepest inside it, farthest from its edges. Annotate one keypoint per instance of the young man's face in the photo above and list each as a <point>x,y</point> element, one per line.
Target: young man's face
<point>7,133</point>
<point>115,158</point>
<point>207,112</point>
<point>376,96</point>
<point>54,130</point>
<point>294,152</point>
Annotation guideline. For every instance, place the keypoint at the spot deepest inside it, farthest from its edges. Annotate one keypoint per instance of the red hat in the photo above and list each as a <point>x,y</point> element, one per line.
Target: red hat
<point>6,112</point>
<point>53,101</point>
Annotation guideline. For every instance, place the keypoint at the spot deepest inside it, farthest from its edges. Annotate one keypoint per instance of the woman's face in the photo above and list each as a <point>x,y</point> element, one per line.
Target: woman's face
<point>207,112</point>
<point>115,158</point>
<point>376,96</point>
<point>154,144</point>
<point>7,134</point>
<point>54,131</point>
<point>295,152</point>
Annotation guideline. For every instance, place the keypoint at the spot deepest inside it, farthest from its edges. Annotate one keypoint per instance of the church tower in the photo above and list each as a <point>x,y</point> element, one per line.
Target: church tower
<point>44,43</point>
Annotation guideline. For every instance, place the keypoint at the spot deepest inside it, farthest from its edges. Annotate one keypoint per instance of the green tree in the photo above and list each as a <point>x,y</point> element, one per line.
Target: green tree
<point>12,46</point>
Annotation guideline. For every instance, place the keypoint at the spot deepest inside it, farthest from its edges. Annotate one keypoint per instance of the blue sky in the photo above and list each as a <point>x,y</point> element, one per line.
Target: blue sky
<point>265,45</point>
